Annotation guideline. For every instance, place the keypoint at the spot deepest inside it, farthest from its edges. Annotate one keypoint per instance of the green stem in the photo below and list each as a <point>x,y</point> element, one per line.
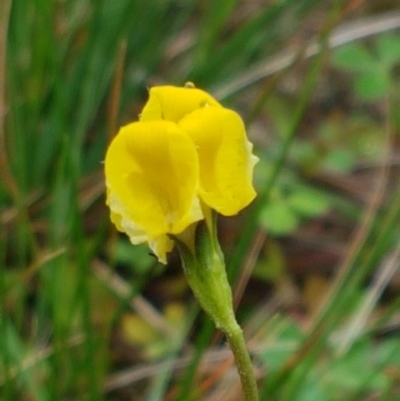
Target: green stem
<point>243,362</point>
<point>204,267</point>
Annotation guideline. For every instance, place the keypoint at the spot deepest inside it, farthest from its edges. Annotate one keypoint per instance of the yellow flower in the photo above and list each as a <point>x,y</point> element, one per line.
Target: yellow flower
<point>225,158</point>
<point>172,103</point>
<point>186,150</point>
<point>152,174</point>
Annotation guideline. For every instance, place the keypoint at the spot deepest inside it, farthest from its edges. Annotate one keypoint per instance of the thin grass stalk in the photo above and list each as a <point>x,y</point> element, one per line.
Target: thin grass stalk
<point>250,228</point>
<point>202,342</point>
<point>7,178</point>
<point>353,270</point>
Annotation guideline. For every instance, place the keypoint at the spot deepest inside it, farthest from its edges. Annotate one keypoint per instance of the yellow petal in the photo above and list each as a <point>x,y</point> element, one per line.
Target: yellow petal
<point>225,157</point>
<point>120,217</point>
<point>152,179</point>
<point>160,245</point>
<point>172,103</point>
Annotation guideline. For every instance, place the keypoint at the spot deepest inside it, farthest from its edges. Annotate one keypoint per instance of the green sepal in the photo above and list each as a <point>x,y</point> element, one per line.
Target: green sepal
<point>206,275</point>
<point>204,267</point>
<point>186,254</point>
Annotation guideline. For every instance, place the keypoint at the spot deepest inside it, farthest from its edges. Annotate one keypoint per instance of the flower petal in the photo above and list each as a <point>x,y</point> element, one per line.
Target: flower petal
<point>225,157</point>
<point>172,103</point>
<point>160,245</point>
<point>152,177</point>
<point>120,217</point>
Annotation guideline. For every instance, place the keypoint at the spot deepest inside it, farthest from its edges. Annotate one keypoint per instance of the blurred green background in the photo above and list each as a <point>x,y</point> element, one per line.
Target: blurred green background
<point>314,261</point>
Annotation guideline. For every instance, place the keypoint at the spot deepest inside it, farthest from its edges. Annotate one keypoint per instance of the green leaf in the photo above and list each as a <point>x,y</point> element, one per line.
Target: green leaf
<point>279,219</point>
<point>136,256</point>
<point>353,57</point>
<point>388,47</point>
<point>313,390</point>
<point>372,85</point>
<point>272,266</point>
<point>360,358</point>
<point>308,202</point>
<point>278,111</point>
<point>340,160</point>
<point>285,337</point>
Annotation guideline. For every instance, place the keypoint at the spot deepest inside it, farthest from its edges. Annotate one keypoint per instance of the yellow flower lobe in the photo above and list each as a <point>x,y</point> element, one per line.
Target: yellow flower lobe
<point>172,103</point>
<point>152,179</point>
<point>225,158</point>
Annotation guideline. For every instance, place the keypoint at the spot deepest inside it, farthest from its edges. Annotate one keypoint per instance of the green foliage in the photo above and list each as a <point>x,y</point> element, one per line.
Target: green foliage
<point>286,336</point>
<point>283,214</point>
<point>373,67</point>
<point>68,283</point>
<point>138,256</point>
